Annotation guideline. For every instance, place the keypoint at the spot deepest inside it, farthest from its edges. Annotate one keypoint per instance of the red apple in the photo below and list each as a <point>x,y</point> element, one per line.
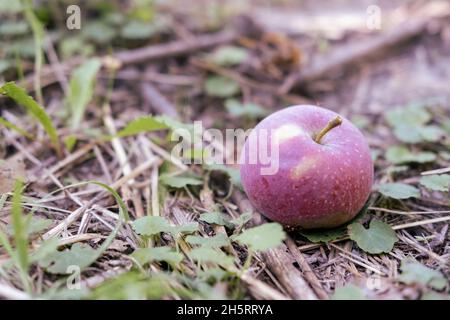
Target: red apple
<point>324,171</point>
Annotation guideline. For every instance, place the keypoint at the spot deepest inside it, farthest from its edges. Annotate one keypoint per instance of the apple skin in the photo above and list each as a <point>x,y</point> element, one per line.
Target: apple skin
<point>317,185</point>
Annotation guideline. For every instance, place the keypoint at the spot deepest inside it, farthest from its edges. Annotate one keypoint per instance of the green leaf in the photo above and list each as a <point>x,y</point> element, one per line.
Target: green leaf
<point>153,225</point>
<point>136,29</point>
<point>45,249</point>
<point>400,155</point>
<point>228,56</point>
<point>13,28</point>
<point>348,292</point>
<point>203,255</point>
<point>261,238</point>
<point>12,126</point>
<point>71,46</point>
<point>414,272</point>
<point>436,182</point>
<point>82,83</point>
<point>218,86</point>
<point>150,225</point>
<point>60,262</point>
<point>398,190</point>
<point>379,238</point>
<point>251,110</point>
<point>216,218</point>
<point>142,124</point>
<point>134,286</point>
<point>408,133</point>
<point>64,293</point>
<point>413,115</point>
<point>409,124</point>
<point>240,221</point>
<point>180,181</point>
<point>415,134</point>
<point>431,133</point>
<point>36,225</point>
<point>10,6</point>
<point>328,235</point>
<point>324,236</point>
<point>216,274</point>
<point>167,254</point>
<point>21,48</point>
<point>218,241</point>
<point>98,32</point>
<point>20,96</point>
<point>174,124</point>
<point>190,227</point>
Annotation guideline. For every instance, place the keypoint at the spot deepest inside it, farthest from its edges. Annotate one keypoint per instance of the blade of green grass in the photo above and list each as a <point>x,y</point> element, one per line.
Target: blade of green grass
<point>19,66</point>
<point>82,85</point>
<point>20,96</point>
<point>20,235</point>
<point>38,35</point>
<point>142,124</point>
<point>123,212</point>
<point>12,126</point>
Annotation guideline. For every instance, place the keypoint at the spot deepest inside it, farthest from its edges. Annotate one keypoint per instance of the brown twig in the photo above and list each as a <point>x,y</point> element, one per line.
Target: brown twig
<point>131,74</point>
<point>308,273</point>
<point>175,48</point>
<point>278,261</point>
<point>157,101</point>
<point>246,81</point>
<point>356,52</point>
<point>281,265</point>
<point>56,66</point>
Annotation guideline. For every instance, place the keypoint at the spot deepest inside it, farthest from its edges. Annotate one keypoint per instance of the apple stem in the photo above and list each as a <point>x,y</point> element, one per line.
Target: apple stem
<point>332,124</point>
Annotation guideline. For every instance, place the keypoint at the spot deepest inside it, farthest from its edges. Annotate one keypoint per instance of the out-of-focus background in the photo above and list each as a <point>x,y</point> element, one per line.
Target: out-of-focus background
<point>375,47</point>
<point>110,75</point>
